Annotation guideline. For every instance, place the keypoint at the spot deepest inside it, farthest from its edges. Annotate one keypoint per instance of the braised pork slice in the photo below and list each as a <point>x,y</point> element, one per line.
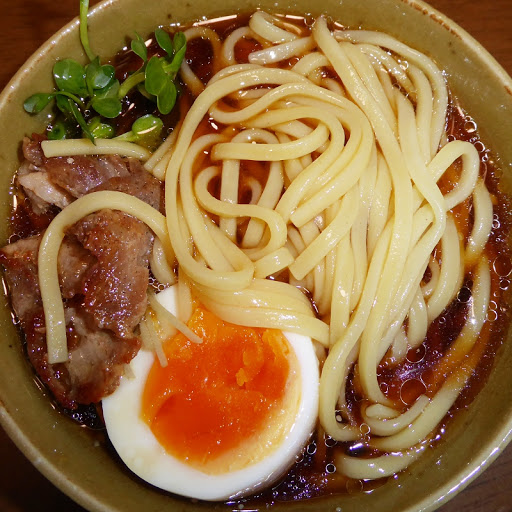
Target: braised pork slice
<point>59,180</point>
<point>138,183</point>
<point>78,175</point>
<point>115,286</point>
<point>41,191</point>
<point>20,262</point>
<point>32,150</point>
<point>103,268</point>
<point>96,356</point>
<point>73,264</point>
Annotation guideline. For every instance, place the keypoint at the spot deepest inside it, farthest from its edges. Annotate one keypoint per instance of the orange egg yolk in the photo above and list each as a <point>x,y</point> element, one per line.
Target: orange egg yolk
<point>212,396</point>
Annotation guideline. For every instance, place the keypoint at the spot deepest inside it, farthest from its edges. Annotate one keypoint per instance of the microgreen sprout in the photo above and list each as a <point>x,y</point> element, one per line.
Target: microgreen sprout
<point>80,89</point>
<point>61,130</point>
<point>145,130</point>
<point>83,91</point>
<point>157,75</point>
<point>138,46</point>
<point>99,129</point>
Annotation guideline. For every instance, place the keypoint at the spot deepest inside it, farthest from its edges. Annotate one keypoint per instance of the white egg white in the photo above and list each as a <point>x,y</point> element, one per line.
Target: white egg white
<point>141,452</point>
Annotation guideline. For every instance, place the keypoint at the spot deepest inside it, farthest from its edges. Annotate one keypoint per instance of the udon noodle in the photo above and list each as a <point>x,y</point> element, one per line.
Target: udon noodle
<point>341,229</point>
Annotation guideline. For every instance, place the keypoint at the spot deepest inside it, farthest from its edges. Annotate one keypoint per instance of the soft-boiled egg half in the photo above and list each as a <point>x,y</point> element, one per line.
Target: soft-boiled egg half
<point>225,418</point>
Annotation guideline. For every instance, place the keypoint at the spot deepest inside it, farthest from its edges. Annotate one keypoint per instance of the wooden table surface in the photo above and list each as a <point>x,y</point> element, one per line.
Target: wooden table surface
<point>24,25</point>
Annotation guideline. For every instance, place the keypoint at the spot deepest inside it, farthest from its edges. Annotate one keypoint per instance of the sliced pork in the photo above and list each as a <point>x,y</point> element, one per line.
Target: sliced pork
<point>59,180</point>
<point>115,287</point>
<point>96,356</point>
<point>138,183</point>
<point>103,269</point>
<point>41,191</point>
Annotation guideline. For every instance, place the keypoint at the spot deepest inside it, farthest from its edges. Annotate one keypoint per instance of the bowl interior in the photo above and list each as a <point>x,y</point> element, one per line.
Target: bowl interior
<point>69,455</point>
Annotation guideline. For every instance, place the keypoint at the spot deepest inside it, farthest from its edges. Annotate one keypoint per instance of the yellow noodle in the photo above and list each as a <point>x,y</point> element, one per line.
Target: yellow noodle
<point>417,321</point>
<point>72,147</point>
<point>389,426</point>
<point>482,224</point>
<point>228,46</point>
<point>378,467</point>
<point>162,150</point>
<point>151,340</point>
<point>165,315</point>
<point>166,327</point>
<point>160,266</point>
<point>281,52</point>
<point>446,287</point>
<point>266,26</point>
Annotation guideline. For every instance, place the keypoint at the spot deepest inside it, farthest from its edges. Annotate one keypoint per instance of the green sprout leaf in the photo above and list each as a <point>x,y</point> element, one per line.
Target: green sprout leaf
<point>179,41</point>
<point>107,107</point>
<point>99,129</point>
<point>37,102</point>
<point>91,70</point>
<point>156,77</point>
<point>106,101</point>
<point>105,77</point>
<point>167,97</point>
<point>69,76</point>
<point>146,130</point>
<point>58,131</point>
<point>64,129</point>
<point>180,47</point>
<point>110,91</point>
<point>138,46</point>
<point>146,124</point>
<point>161,72</point>
<point>64,94</point>
<point>130,83</point>
<point>98,76</point>
<point>63,104</point>
<point>164,41</point>
<point>142,90</point>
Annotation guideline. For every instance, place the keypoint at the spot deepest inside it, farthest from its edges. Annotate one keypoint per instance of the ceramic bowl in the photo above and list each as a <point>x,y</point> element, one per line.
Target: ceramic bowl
<point>67,454</point>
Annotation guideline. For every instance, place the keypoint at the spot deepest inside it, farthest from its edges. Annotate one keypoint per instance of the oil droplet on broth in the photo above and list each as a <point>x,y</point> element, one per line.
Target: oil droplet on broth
<point>411,389</point>
<point>416,355</point>
<point>311,449</point>
<point>479,146</point>
<point>502,266</point>
<point>330,442</point>
<point>470,125</point>
<point>364,428</point>
<point>464,295</point>
<point>330,469</point>
<point>492,315</point>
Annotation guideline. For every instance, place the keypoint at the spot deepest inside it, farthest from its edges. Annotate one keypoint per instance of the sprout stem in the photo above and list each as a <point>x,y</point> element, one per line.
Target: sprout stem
<point>84,36</point>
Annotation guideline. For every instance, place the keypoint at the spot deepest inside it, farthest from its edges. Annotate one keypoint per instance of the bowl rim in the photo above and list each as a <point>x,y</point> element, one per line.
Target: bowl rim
<point>487,453</point>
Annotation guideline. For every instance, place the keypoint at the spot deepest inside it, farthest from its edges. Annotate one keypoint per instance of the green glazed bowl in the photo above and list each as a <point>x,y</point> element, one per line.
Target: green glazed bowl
<point>70,457</point>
